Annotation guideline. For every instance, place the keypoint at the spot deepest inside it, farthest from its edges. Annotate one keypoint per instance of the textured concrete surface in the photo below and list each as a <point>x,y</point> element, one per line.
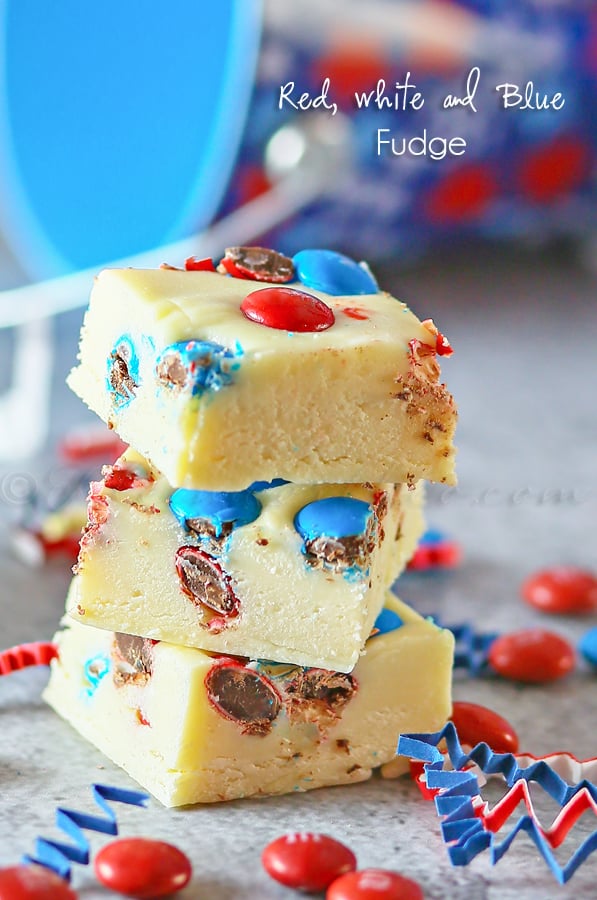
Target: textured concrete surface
<point>524,374</point>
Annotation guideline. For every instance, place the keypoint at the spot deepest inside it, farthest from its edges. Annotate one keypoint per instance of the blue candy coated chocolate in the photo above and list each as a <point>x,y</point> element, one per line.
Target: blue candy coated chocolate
<point>124,348</point>
<point>334,273</point>
<point>266,485</point>
<point>588,646</point>
<point>335,517</point>
<point>209,365</point>
<point>386,621</point>
<point>94,669</point>
<point>432,536</point>
<point>218,507</point>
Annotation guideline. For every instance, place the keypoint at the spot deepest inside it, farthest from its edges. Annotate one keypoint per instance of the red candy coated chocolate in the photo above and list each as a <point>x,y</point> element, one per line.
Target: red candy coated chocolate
<point>533,656</point>
<point>33,883</point>
<point>562,590</point>
<point>374,884</point>
<point>307,862</point>
<point>287,310</point>
<point>196,264</point>
<point>67,546</point>
<point>143,868</point>
<point>475,723</point>
<point>257,264</point>
<point>120,479</point>
<point>90,446</point>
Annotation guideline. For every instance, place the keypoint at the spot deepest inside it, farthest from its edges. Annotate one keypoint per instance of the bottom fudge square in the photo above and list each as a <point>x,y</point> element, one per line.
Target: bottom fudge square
<point>197,727</point>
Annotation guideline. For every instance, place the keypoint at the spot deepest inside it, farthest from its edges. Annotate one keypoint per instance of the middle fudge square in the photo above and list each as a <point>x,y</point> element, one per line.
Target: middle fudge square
<point>291,573</point>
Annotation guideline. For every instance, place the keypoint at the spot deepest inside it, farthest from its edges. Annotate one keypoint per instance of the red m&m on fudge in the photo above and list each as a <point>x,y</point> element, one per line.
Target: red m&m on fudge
<point>287,310</point>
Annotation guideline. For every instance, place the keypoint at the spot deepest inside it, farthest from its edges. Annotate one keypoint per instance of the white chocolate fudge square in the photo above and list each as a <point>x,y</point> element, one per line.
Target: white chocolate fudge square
<point>217,400</point>
<point>294,573</point>
<point>194,727</point>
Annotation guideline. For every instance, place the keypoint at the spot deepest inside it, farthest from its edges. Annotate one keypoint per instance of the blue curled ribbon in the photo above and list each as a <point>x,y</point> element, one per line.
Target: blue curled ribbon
<point>56,855</point>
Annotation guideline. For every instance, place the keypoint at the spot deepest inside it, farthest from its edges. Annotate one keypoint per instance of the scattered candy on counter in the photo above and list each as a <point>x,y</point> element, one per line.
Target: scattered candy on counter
<point>37,653</point>
<point>33,883</point>
<point>477,724</point>
<point>33,549</point>
<point>562,590</point>
<point>468,826</point>
<point>374,884</point>
<point>59,533</point>
<point>306,861</point>
<point>435,551</point>
<point>533,656</point>
<point>142,868</point>
<point>52,516</point>
<point>588,646</point>
<point>57,855</point>
<point>91,445</point>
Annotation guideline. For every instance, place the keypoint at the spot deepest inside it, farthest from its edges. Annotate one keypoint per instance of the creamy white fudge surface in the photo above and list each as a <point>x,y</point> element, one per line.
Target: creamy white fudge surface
<point>293,573</point>
<point>194,727</point>
<point>217,400</point>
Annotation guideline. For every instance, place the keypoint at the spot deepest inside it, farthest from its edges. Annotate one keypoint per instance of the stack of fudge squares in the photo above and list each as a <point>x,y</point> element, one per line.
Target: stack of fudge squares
<point>230,629</point>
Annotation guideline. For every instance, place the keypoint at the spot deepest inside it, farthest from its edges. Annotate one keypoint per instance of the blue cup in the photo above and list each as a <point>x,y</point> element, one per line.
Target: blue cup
<point>119,123</point>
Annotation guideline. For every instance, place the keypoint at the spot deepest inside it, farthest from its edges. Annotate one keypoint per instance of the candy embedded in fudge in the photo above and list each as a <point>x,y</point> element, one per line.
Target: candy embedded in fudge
<point>295,573</point>
<point>221,379</point>
<point>195,727</point>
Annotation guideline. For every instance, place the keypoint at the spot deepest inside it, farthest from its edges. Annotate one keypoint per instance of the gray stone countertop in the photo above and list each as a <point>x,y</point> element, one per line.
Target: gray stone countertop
<point>524,374</point>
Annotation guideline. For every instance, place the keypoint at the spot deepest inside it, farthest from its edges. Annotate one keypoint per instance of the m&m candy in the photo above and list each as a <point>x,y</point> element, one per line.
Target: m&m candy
<point>287,310</point>
<point>562,590</point>
<point>475,724</point>
<point>374,884</point>
<point>588,646</point>
<point>533,656</point>
<point>143,868</point>
<point>257,263</point>
<point>334,273</point>
<point>33,883</point>
<point>307,862</point>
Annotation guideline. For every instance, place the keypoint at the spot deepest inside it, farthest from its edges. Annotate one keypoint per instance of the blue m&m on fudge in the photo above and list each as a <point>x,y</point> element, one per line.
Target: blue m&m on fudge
<point>336,531</point>
<point>214,514</point>
<point>334,273</point>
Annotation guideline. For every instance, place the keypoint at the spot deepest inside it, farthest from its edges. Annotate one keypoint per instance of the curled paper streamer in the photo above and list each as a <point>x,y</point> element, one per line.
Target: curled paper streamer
<point>38,653</point>
<point>468,825</point>
<point>58,856</point>
<point>471,651</point>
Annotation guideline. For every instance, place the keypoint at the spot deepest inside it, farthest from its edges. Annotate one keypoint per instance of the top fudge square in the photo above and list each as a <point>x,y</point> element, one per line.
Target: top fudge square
<point>302,370</point>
